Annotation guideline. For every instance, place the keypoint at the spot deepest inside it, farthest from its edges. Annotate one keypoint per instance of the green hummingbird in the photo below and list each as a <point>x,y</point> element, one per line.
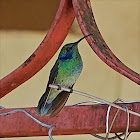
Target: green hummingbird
<point>64,73</point>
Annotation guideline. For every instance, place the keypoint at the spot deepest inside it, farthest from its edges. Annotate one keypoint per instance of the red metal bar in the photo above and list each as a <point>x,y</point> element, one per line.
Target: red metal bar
<point>51,43</point>
<point>57,33</point>
<point>86,20</point>
<point>84,119</point>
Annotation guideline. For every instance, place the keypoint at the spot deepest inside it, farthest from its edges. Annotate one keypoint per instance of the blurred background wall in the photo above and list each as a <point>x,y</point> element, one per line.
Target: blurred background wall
<point>23,25</point>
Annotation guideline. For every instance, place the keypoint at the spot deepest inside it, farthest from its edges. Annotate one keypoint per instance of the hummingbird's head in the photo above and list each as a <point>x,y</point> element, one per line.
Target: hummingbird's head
<point>70,50</point>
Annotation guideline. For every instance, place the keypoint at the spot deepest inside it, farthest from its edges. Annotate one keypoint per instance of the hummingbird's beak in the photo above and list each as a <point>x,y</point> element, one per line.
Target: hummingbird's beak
<point>82,38</point>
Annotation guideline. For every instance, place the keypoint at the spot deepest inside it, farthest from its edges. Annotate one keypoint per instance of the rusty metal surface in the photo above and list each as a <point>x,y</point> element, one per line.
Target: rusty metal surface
<point>71,120</point>
<point>86,20</point>
<point>84,119</point>
<point>48,47</point>
<point>54,38</point>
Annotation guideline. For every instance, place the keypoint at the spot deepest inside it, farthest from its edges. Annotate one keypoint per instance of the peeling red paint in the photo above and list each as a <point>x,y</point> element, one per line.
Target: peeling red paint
<point>51,43</point>
<point>88,25</point>
<point>83,119</point>
<point>54,38</point>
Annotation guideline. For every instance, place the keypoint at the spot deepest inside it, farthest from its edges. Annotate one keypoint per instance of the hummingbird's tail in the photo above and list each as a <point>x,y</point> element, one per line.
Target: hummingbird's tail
<point>58,103</point>
<point>54,107</point>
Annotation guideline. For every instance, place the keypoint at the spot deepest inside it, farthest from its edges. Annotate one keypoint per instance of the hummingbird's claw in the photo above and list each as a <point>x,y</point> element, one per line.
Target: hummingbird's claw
<point>59,87</point>
<point>71,90</point>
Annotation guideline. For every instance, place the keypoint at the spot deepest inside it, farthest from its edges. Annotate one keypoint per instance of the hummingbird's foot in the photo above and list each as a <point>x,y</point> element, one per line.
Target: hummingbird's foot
<point>71,90</point>
<point>59,87</point>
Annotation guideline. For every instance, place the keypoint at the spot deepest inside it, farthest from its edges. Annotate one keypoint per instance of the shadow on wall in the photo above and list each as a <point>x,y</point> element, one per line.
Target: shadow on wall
<point>27,15</point>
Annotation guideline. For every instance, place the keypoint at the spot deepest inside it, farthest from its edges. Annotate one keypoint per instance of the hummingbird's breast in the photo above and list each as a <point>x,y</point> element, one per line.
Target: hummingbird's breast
<point>69,71</point>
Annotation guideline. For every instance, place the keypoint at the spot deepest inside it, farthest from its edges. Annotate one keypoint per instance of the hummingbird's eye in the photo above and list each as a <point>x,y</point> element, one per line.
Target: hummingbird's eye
<point>68,49</point>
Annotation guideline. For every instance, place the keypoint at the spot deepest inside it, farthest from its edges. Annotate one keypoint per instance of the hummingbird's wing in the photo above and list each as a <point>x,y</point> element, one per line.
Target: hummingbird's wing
<point>57,104</point>
<point>52,77</point>
<point>53,74</point>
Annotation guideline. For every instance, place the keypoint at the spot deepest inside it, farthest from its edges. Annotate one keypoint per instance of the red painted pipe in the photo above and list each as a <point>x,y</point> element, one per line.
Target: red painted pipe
<point>86,20</point>
<point>48,47</point>
<point>84,119</point>
<point>57,33</point>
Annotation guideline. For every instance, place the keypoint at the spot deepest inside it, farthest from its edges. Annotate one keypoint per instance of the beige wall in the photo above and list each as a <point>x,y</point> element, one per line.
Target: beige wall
<point>119,23</point>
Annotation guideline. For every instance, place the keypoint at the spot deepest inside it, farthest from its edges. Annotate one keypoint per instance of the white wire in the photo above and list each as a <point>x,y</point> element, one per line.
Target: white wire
<point>95,98</point>
<point>33,118</point>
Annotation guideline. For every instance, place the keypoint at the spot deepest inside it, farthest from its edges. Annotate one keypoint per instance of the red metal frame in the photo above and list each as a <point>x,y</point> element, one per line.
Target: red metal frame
<point>92,119</point>
<point>54,38</point>
<point>48,47</point>
<point>88,25</point>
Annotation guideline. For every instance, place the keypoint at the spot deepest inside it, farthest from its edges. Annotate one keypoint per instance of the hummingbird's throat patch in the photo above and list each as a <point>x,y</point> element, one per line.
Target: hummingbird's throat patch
<point>67,56</point>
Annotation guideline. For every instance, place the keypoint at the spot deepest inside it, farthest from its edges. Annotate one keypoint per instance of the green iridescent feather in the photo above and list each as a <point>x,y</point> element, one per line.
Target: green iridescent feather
<point>64,73</point>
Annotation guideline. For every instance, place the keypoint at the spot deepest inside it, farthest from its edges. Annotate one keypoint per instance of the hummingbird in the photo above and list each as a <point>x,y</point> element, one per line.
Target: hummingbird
<point>64,73</point>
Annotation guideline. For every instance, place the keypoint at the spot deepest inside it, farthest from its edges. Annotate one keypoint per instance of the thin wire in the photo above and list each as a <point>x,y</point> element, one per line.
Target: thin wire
<point>99,100</point>
<point>107,122</point>
<point>111,138</point>
<point>107,119</point>
<point>104,102</point>
<point>119,137</point>
<point>127,125</point>
<point>33,118</point>
<point>50,133</point>
<point>89,101</point>
<point>108,129</point>
<point>95,98</point>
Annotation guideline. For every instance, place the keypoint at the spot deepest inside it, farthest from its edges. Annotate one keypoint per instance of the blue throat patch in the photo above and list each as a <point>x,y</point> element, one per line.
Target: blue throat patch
<point>68,56</point>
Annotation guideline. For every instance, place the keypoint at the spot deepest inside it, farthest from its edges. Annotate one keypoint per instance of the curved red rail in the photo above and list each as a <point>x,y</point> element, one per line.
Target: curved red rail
<point>84,14</point>
<point>54,38</point>
<point>51,43</point>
